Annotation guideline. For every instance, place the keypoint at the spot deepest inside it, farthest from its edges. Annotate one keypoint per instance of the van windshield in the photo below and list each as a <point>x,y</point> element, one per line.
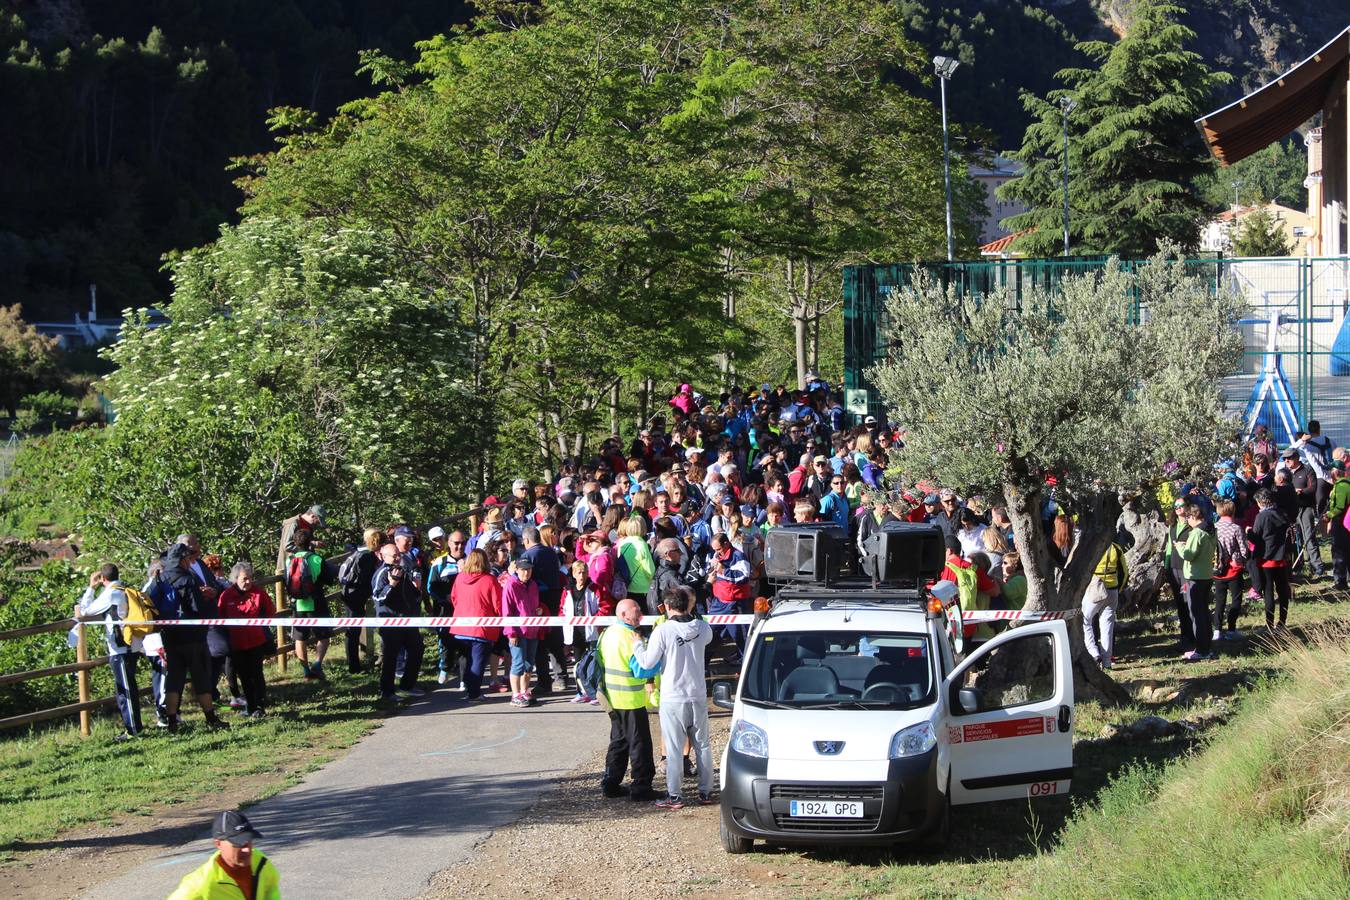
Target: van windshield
<point>846,669</point>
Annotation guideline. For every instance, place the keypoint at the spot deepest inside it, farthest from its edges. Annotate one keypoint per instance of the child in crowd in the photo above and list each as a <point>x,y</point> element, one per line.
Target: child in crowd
<point>581,599</point>
<point>520,597</point>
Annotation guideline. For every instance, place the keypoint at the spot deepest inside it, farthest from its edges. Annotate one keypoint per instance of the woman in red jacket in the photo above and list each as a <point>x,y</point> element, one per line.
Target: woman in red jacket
<point>249,644</point>
<point>476,593</point>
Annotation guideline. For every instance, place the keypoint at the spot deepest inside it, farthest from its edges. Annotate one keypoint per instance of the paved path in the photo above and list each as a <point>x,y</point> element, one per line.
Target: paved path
<point>409,800</point>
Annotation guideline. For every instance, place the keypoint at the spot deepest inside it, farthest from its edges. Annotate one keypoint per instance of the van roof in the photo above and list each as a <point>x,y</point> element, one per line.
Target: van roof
<point>848,611</point>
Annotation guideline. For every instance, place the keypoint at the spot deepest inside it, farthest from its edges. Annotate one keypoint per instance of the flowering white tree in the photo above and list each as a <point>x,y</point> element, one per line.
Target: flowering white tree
<point>1095,386</point>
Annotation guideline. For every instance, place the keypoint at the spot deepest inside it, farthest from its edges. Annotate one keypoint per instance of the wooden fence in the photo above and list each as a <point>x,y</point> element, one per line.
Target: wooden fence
<point>84,663</point>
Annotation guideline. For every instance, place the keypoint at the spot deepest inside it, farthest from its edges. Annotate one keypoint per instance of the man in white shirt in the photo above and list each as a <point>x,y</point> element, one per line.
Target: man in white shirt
<point>106,597</point>
<point>678,645</point>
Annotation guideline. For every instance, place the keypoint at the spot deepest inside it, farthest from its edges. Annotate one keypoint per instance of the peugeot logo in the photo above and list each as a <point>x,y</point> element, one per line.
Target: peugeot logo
<point>829,748</point>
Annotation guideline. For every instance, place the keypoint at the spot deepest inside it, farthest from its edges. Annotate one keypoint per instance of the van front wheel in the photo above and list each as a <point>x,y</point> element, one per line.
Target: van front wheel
<point>734,843</point>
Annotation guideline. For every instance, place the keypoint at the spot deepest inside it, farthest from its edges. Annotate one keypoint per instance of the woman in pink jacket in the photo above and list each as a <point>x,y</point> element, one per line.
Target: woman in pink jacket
<point>520,597</point>
<point>476,593</point>
<point>595,551</point>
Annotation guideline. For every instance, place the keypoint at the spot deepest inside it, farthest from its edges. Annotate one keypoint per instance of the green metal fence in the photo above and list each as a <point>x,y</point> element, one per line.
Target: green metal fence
<point>1310,294</point>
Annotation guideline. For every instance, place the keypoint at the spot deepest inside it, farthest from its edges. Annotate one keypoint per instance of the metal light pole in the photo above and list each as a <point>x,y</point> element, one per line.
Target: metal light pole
<point>1236,185</point>
<point>1067,104</point>
<point>944,66</point>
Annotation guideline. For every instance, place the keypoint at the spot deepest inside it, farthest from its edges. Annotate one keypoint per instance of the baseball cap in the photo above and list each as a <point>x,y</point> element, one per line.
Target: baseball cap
<point>404,531</point>
<point>234,827</point>
<point>947,494</point>
<point>1338,466</point>
<point>930,499</point>
<point>519,484</point>
<point>692,452</point>
<point>493,501</point>
<point>1289,453</point>
<point>524,562</point>
<point>870,420</point>
<point>819,459</point>
<point>434,533</point>
<point>677,469</point>
<point>684,388</point>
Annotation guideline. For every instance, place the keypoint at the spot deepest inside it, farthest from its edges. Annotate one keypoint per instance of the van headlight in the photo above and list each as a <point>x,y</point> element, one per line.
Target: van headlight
<point>750,740</point>
<point>913,741</point>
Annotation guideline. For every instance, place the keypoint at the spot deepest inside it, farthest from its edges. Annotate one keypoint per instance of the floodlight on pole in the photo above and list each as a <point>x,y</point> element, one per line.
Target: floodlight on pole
<point>944,66</point>
<point>1067,104</point>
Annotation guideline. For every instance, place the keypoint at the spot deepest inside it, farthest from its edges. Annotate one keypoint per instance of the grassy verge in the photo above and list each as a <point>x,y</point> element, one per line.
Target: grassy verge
<point>1264,810</point>
<point>56,781</point>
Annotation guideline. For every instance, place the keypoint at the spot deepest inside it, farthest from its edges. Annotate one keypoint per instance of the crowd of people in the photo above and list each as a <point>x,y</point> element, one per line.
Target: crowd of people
<point>674,524</point>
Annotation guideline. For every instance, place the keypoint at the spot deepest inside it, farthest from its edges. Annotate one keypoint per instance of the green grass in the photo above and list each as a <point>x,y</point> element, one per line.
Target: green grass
<point>1264,810</point>
<point>55,781</point>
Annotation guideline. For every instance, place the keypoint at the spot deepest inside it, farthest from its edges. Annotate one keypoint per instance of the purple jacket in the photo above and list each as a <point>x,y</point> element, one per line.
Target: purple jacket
<point>520,598</point>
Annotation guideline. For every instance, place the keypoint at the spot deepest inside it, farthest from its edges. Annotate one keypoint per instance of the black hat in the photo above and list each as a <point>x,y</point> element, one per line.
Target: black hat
<point>234,827</point>
<point>1289,453</point>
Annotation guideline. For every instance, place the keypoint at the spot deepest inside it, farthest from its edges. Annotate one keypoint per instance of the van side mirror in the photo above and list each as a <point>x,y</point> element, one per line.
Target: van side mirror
<point>970,700</point>
<point>722,697</point>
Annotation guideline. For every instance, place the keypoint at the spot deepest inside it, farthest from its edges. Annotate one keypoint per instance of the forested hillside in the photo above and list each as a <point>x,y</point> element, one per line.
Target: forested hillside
<point>122,117</point>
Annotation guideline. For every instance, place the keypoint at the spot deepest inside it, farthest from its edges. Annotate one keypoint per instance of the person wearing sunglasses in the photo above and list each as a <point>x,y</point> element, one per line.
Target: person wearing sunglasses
<point>834,505</point>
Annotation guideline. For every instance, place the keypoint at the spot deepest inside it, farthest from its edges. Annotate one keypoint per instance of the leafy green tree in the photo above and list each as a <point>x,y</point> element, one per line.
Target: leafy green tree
<point>1259,234</point>
<point>1000,394</point>
<point>1133,150</point>
<point>29,360</point>
<point>295,370</point>
<point>1274,174</point>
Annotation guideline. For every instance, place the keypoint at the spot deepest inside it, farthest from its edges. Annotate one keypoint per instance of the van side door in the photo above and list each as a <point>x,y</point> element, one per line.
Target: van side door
<point>1009,728</point>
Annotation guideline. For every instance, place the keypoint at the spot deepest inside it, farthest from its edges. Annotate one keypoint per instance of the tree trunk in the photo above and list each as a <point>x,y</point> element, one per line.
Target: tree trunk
<point>613,407</point>
<point>799,339</point>
<point>1050,589</point>
<point>1146,531</point>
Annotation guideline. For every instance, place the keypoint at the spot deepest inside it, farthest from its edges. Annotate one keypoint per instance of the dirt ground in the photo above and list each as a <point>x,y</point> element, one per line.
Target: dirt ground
<point>63,868</point>
<point>577,843</point>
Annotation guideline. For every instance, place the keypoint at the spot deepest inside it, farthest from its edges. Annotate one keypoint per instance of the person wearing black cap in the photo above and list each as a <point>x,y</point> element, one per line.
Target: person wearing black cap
<point>1304,481</point>
<point>236,869</point>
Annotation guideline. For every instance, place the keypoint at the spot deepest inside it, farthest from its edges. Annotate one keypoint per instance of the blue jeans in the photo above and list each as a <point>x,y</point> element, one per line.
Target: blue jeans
<point>522,655</point>
<point>736,633</point>
<point>479,651</point>
<point>123,667</point>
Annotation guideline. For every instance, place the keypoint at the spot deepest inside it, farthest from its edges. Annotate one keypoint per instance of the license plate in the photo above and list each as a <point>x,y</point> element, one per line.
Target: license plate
<point>826,809</point>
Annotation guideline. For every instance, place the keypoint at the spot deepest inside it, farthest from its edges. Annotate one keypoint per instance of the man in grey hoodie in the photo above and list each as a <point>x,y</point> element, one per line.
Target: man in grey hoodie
<point>678,645</point>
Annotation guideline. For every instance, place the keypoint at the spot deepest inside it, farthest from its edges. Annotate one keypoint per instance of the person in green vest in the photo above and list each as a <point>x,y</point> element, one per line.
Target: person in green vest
<point>623,683</point>
<point>1100,602</point>
<point>235,870</point>
<point>310,602</point>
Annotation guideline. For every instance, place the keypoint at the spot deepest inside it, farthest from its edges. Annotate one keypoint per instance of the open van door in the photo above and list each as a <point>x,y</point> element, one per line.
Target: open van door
<point>1010,728</point>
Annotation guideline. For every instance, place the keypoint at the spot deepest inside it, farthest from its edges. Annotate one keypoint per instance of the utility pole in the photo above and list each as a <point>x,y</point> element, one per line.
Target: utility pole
<point>1067,104</point>
<point>944,66</point>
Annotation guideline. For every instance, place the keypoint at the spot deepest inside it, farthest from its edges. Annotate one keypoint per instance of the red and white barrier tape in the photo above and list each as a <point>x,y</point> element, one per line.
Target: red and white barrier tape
<point>992,615</point>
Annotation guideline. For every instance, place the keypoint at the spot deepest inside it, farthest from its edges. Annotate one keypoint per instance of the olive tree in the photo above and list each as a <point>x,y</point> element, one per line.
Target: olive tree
<point>1073,394</point>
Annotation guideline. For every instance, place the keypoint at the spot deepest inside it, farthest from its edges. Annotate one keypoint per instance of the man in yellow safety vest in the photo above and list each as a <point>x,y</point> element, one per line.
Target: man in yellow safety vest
<point>623,682</point>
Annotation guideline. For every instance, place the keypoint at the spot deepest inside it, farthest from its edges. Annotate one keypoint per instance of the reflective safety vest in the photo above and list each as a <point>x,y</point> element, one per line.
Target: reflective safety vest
<point>616,654</point>
<point>210,881</point>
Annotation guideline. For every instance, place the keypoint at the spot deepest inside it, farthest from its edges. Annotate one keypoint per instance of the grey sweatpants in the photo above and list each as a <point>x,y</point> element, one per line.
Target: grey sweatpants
<point>680,719</point>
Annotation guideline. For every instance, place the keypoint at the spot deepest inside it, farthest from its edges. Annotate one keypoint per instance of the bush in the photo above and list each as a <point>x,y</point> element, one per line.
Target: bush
<point>35,597</point>
<point>49,404</point>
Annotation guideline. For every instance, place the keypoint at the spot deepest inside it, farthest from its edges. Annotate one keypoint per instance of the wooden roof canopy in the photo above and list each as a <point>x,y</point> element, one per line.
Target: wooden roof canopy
<point>1275,109</point>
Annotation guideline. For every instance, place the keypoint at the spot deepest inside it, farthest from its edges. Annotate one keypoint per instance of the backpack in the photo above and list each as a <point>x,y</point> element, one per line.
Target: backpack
<point>165,598</point>
<point>349,575</point>
<point>299,581</point>
<point>587,673</point>
<point>141,609</point>
<point>622,577</point>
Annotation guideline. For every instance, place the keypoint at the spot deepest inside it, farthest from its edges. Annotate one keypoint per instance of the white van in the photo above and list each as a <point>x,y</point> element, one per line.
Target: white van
<point>855,721</point>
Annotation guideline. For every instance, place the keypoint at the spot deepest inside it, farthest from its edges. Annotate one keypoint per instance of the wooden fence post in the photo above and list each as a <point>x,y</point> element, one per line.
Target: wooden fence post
<point>82,677</point>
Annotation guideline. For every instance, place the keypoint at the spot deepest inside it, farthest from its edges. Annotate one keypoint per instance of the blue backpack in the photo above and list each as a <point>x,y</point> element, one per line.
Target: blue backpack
<point>166,600</point>
<point>587,673</point>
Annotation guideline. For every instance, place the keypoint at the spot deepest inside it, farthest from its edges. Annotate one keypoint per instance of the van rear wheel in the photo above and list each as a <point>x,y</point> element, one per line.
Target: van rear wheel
<point>734,843</point>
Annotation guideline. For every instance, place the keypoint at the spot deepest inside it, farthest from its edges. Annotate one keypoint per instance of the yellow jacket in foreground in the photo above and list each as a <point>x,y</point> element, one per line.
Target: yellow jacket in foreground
<point>210,881</point>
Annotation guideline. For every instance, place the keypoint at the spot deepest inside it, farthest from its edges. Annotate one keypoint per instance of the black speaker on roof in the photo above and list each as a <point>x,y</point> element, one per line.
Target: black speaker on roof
<point>810,551</point>
<point>904,552</point>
